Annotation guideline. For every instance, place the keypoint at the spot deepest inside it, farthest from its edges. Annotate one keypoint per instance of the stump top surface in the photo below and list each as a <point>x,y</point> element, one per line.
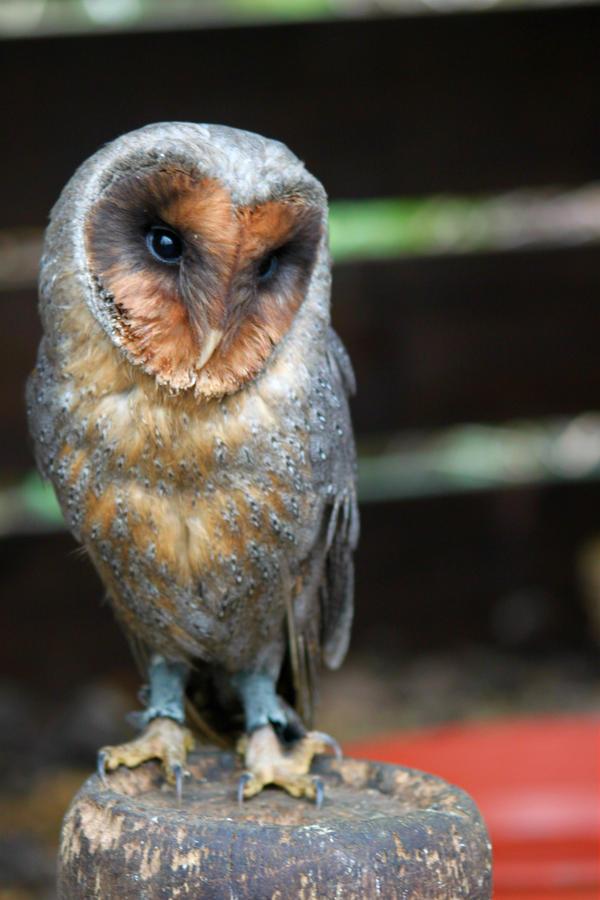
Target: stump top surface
<point>353,789</point>
<point>382,830</point>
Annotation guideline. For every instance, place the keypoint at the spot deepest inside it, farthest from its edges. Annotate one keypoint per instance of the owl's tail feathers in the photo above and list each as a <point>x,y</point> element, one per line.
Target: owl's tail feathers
<point>302,665</point>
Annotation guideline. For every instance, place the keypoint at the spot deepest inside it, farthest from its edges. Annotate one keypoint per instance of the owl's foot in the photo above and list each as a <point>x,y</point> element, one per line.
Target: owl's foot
<point>162,739</point>
<point>268,761</point>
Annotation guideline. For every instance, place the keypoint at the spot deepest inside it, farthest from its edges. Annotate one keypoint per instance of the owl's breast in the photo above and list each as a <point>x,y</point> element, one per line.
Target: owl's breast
<point>196,516</point>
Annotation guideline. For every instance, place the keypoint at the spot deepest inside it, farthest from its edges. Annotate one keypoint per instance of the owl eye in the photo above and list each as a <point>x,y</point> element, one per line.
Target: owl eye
<point>267,267</point>
<point>164,244</point>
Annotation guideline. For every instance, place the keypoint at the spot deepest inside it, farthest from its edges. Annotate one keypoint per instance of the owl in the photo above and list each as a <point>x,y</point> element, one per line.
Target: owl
<point>189,405</point>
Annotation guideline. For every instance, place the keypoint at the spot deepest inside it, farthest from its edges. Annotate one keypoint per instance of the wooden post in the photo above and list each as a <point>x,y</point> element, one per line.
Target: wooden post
<point>383,831</point>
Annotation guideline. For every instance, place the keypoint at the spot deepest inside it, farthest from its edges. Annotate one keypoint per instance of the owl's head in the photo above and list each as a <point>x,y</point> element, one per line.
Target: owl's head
<point>196,247</point>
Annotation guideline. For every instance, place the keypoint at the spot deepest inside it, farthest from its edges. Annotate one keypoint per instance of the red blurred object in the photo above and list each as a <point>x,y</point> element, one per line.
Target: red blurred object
<point>537,784</point>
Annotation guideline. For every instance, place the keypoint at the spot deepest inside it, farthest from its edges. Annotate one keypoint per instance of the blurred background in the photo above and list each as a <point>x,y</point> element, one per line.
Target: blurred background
<point>459,141</point>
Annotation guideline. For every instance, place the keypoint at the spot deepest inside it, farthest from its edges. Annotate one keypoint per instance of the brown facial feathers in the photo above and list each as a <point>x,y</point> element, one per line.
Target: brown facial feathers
<point>281,239</point>
<point>210,320</point>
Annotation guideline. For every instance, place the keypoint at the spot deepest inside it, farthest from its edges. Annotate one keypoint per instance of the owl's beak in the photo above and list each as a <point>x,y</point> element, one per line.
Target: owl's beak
<point>209,345</point>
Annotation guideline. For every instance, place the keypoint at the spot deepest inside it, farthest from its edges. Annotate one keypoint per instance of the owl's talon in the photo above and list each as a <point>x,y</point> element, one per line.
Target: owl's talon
<point>329,742</point>
<point>245,777</point>
<point>319,791</point>
<point>100,767</point>
<point>178,775</point>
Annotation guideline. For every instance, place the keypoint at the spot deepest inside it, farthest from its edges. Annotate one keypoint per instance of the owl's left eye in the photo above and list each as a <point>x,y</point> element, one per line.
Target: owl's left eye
<point>164,244</point>
<point>268,266</point>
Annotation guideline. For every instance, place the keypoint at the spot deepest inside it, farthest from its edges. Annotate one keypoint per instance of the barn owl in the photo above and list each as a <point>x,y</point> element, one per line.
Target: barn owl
<point>189,405</point>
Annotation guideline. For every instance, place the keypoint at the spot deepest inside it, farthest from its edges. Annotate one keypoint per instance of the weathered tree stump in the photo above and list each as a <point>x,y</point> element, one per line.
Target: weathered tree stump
<point>383,831</point>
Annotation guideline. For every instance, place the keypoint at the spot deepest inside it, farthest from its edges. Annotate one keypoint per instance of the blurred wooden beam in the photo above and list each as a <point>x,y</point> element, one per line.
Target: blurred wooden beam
<point>483,338</point>
<point>394,227</point>
<point>434,341</point>
<point>394,106</point>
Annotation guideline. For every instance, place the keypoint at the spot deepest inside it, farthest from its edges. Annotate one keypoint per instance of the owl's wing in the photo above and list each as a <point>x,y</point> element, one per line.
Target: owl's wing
<point>334,461</point>
<point>328,574</point>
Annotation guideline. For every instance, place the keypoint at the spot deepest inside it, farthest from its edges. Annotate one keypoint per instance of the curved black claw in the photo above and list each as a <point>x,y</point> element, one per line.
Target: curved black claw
<point>320,791</point>
<point>178,773</point>
<point>331,742</point>
<point>100,770</point>
<point>244,779</point>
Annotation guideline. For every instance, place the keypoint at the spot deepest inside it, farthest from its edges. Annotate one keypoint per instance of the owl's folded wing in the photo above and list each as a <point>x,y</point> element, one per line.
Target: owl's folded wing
<point>342,523</point>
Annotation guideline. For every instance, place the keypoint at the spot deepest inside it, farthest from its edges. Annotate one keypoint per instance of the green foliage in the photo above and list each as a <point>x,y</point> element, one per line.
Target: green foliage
<point>399,226</point>
<point>40,500</point>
